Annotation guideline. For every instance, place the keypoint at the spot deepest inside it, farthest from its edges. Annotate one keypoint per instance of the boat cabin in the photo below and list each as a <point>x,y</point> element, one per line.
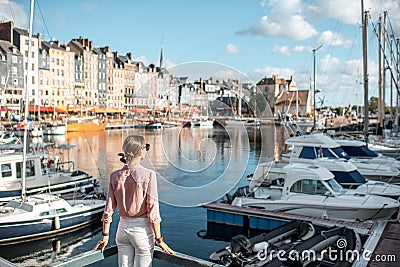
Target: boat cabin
<point>300,179</point>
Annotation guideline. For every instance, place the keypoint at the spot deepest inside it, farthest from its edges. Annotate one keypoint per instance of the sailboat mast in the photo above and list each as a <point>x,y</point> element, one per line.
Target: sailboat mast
<point>26,145</point>
<point>240,100</point>
<point>380,101</point>
<point>365,68</point>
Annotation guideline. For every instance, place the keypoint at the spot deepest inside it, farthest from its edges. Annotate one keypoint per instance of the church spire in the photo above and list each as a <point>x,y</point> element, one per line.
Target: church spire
<point>161,54</point>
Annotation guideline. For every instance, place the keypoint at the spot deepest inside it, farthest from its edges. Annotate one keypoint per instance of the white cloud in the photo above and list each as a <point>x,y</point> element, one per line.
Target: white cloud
<point>259,73</point>
<point>293,26</point>
<point>12,11</point>
<point>333,39</point>
<point>232,49</point>
<point>329,63</point>
<point>264,3</point>
<point>284,50</point>
<point>143,59</point>
<point>301,48</point>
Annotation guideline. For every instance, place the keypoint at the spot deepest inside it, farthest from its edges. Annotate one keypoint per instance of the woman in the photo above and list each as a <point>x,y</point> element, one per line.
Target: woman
<point>134,190</point>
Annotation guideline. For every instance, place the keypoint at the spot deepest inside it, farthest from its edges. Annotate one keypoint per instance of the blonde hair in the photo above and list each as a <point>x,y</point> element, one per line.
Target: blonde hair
<point>132,146</point>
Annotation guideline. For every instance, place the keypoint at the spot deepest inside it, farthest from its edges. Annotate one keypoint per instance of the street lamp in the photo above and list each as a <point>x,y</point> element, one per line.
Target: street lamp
<point>315,63</point>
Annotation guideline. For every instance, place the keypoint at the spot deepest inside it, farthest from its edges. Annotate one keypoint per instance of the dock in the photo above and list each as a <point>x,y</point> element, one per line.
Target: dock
<point>381,245</point>
<point>265,220</point>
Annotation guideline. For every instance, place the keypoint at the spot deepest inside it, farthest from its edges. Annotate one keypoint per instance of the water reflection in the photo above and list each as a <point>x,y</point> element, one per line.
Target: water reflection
<point>45,251</point>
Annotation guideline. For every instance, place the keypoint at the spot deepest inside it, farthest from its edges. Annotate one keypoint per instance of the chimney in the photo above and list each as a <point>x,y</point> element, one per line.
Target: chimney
<point>115,55</point>
<point>129,55</point>
<point>6,31</point>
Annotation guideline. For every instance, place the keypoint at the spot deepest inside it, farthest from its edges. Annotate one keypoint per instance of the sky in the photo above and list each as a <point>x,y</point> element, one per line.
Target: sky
<point>258,38</point>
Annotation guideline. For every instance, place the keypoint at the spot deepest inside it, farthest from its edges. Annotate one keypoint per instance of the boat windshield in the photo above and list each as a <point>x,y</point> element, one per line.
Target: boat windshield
<point>349,177</point>
<point>336,188</point>
<point>340,153</point>
<point>359,151</point>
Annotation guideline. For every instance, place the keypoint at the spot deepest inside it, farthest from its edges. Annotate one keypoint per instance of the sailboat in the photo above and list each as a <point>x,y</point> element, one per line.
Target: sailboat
<point>91,124</point>
<point>43,215</point>
<point>239,120</point>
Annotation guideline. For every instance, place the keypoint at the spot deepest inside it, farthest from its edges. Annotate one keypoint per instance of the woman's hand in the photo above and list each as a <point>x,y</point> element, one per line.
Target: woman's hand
<point>102,243</point>
<point>165,248</point>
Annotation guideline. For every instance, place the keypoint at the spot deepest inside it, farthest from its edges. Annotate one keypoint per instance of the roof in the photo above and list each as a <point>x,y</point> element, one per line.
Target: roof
<point>314,140</point>
<point>21,31</point>
<point>53,45</point>
<point>291,96</point>
<point>299,170</point>
<point>7,47</point>
<point>353,143</point>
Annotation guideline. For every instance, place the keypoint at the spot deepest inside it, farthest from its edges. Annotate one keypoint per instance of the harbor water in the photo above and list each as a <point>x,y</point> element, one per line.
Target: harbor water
<point>194,166</point>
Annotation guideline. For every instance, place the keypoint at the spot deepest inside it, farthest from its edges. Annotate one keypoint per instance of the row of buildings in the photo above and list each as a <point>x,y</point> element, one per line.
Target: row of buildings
<point>80,76</point>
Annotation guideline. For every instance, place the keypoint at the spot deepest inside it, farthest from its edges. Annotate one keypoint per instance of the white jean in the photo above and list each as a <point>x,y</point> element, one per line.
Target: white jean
<point>135,241</point>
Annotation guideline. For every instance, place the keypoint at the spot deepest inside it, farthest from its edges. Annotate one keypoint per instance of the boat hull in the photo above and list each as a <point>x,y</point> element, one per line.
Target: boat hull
<point>84,126</point>
<point>350,213</point>
<point>16,232</point>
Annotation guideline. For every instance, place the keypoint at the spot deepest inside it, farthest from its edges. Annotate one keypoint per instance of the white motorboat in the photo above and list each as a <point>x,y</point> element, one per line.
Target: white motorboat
<point>346,174</point>
<point>242,121</point>
<point>305,148</point>
<point>43,173</point>
<point>55,129</point>
<point>202,123</point>
<point>360,153</point>
<point>45,215</point>
<point>311,190</point>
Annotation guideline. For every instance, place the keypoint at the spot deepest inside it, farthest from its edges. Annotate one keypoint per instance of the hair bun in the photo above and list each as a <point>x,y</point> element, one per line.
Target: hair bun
<point>122,159</point>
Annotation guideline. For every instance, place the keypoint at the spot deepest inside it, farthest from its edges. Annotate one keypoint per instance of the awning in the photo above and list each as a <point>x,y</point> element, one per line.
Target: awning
<point>4,109</point>
<point>45,109</point>
<point>139,109</point>
<point>109,110</point>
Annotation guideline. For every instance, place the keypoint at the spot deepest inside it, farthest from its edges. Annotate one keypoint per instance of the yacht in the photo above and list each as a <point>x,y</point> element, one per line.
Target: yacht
<point>359,152</point>
<point>305,148</point>
<point>44,215</point>
<point>311,190</point>
<point>44,172</point>
<point>346,174</point>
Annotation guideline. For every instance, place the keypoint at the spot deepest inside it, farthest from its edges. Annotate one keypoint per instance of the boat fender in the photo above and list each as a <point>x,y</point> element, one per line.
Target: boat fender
<point>57,222</point>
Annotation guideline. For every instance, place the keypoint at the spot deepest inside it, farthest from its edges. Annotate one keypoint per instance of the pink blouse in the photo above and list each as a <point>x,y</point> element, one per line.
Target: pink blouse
<point>134,191</point>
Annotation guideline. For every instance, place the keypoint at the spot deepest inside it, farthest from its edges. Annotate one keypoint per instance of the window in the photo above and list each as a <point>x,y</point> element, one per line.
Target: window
<point>6,170</point>
<point>30,169</point>
<point>308,153</point>
<point>360,151</point>
<point>14,59</point>
<point>309,186</point>
<point>349,177</point>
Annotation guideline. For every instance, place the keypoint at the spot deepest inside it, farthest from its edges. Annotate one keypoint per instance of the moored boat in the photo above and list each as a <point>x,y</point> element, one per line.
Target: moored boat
<point>44,173</point>
<point>45,215</point>
<point>312,191</point>
<point>86,125</point>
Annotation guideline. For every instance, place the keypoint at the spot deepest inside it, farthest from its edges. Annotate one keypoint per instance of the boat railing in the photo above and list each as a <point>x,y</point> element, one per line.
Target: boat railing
<point>96,256</point>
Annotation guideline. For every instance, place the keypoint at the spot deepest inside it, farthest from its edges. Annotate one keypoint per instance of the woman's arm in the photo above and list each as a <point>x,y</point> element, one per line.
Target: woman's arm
<point>160,239</point>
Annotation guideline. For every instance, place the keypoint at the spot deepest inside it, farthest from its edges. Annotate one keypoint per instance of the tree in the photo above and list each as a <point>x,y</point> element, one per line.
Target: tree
<point>373,104</point>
